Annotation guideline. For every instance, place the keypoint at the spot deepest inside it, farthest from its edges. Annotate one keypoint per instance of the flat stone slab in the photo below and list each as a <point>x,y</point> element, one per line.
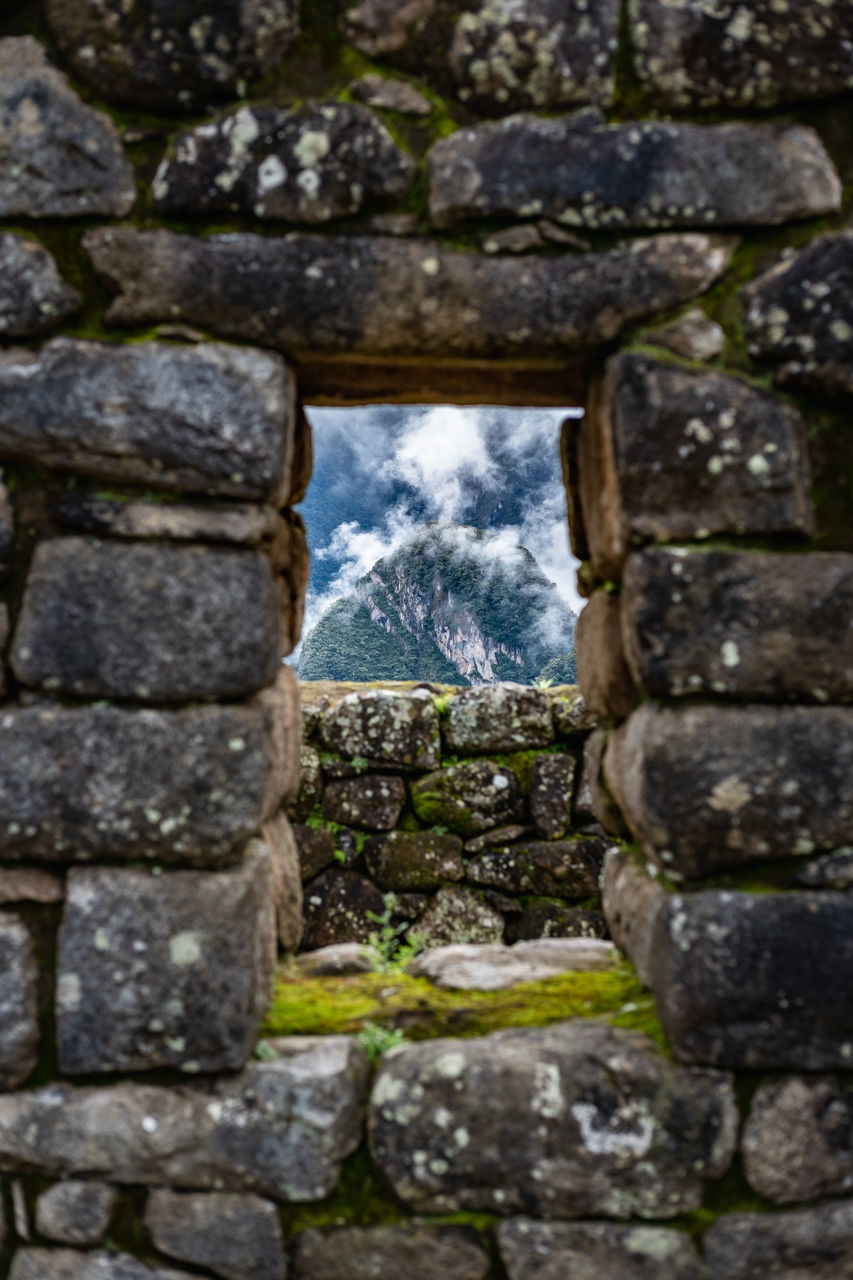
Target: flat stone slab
<point>595,1251</point>
<point>288,292</point>
<point>794,1142</point>
<point>281,1128</point>
<point>384,726</point>
<point>70,1264</point>
<point>816,1242</point>
<point>697,55</point>
<point>207,418</point>
<point>354,1253</point>
<point>33,295</point>
<point>75,1212</point>
<point>641,176</point>
<point>242,524</point>
<point>390,95</point>
<point>491,967</point>
<point>152,622</point>
<point>19,1037</point>
<point>706,787</point>
<point>236,1236</point>
<point>747,625</point>
<point>339,960</point>
<point>564,1121</point>
<point>503,717</point>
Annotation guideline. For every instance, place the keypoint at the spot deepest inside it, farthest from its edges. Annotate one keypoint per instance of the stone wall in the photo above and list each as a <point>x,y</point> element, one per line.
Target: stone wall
<point>211,216</point>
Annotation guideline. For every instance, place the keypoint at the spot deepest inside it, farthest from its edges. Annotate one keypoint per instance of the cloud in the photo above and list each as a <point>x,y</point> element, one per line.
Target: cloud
<point>443,456</point>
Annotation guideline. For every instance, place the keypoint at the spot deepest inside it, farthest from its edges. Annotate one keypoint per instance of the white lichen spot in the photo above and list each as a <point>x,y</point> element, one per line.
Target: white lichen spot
<point>730,654</point>
<point>547,1098</point>
<point>450,1065</point>
<point>68,992</point>
<point>626,1132</point>
<point>149,1124</point>
<point>430,266</point>
<point>271,174</point>
<point>185,948</point>
<point>102,941</point>
<point>312,147</point>
<point>730,795</point>
<point>758,465</point>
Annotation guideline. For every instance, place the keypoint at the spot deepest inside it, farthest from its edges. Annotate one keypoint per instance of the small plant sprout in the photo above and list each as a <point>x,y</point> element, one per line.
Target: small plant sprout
<point>376,1040</point>
<point>385,944</point>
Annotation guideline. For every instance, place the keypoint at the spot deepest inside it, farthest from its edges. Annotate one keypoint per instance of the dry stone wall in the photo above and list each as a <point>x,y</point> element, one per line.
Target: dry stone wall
<point>213,213</point>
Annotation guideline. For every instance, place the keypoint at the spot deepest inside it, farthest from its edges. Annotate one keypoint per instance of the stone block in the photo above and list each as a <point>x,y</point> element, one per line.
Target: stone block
<point>371,801</point>
<point>240,523</point>
<point>235,1236</point>
<point>307,164</point>
<point>494,718</point>
<point>552,785</point>
<point>33,295</point>
<point>172,786</point>
<point>210,417</point>
<point>799,317</point>
<point>603,675</point>
<point>457,915</point>
<point>593,801</point>
<point>693,336</point>
<point>61,158</point>
<point>586,173</point>
<point>596,1251</point>
<point>469,798</point>
<point>795,1142</point>
<point>390,95</point>
<point>703,788</point>
<point>490,966</point>
<point>310,792</point>
<point>815,1243</point>
<point>355,1253</point>
<point>572,717</point>
<point>796,1009</point>
<point>280,842</point>
<point>743,624</point>
<point>70,1264</point>
<point>562,868</point>
<point>414,860</point>
<point>280,1128</point>
<point>743,466</point>
<point>28,884</point>
<point>465,306</point>
<point>74,1212</point>
<point>155,59</point>
<point>384,726</point>
<point>340,906</point>
<point>164,970</point>
<point>695,55</point>
<point>19,1037</point>
<point>316,848</point>
<point>632,900</point>
<point>551,918</point>
<point>569,1120</point>
<point>148,621</point>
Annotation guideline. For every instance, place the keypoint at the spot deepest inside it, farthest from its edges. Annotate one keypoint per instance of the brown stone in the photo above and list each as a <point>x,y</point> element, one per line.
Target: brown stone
<point>552,785</point>
<point>603,676</point>
<point>693,336</point>
<point>27,884</point>
<point>562,868</point>
<point>631,899</point>
<point>796,1143</point>
<point>815,1243</point>
<point>594,800</point>
<point>316,848</point>
<point>340,906</point>
<point>390,95</point>
<point>414,860</point>
<point>280,842</point>
<point>572,717</point>
<point>360,1253</point>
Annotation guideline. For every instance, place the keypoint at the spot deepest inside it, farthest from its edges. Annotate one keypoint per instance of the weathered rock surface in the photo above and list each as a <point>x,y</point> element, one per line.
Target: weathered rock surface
<point>607,684</point>
<point>632,899</point>
<point>168,970</point>
<point>490,967</point>
<point>339,906</point>
<point>61,158</point>
<point>552,784</point>
<point>7,545</point>
<point>796,1143</point>
<point>571,714</point>
<point>697,55</point>
<point>546,918</point>
<point>386,296</point>
<point>309,164</point>
<point>816,1243</point>
<point>310,792</point>
<point>339,960</point>
<point>177,786</point>
<point>371,801</point>
<point>694,336</point>
<point>239,523</point>
<point>385,726</point>
<point>564,868</point>
<point>390,95</point>
<point>75,1212</point>
<point>280,1128</point>
<point>645,176</point>
<point>749,625</point>
<point>503,717</point>
<point>238,1237</point>
<point>360,1253</point>
<point>742,467</point>
<point>414,860</point>
<point>799,317</point>
<point>33,295</point>
<point>457,915</point>
<point>316,849</point>
<point>832,871</point>
<point>28,884</point>
<point>469,798</point>
<point>566,1120</point>
<point>595,1251</point>
<point>19,1038</point>
<point>209,417</point>
<point>704,787</point>
<point>71,1264</point>
<point>147,621</point>
<point>161,57</point>
<point>594,801</point>
<point>280,843</point>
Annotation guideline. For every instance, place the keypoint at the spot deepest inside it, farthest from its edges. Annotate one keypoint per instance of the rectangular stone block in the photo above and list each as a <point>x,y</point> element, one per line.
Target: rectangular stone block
<point>503,717</point>
<point>596,1251</point>
<point>748,625</point>
<point>815,1243</point>
<point>19,1028</point>
<point>241,523</point>
<point>606,683</point>
<point>667,453</point>
<point>238,1237</point>
<point>148,621</point>
<point>703,788</point>
<point>418,1250</point>
<point>33,295</point>
<point>207,418</point>
<point>31,1263</point>
<point>185,787</point>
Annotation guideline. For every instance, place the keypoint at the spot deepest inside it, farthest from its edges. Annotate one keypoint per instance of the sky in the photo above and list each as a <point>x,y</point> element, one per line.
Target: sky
<point>380,471</point>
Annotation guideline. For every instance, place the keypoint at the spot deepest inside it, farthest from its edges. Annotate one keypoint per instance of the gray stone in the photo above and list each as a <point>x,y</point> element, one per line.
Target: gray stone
<point>238,523</point>
<point>492,967</point>
<point>364,1253</point>
<point>280,843</point>
<point>173,786</point>
<point>390,95</point>
<point>70,1264</point>
<point>61,158</point>
<point>796,1142</point>
<point>552,784</point>
<point>697,55</point>
<point>832,871</point>
<point>419,860</point>
<point>238,1237</point>
<point>742,624</point>
<point>311,294</point>
<point>7,546</point>
<point>316,848</point>
<point>815,1243</point>
<point>799,317</point>
<point>493,718</point>
<point>595,1251</point>
<point>572,716</point>
<point>162,58</point>
<point>703,788</point>
<point>607,684</point>
<point>694,336</point>
<point>280,1128</point>
<point>211,418</point>
<point>19,1039</point>
<point>371,801</point>
<point>75,1212</point>
<point>594,801</point>
<point>743,466</point>
<point>569,1120</point>
<point>147,621</point>
<point>342,959</point>
<point>643,176</point>
<point>469,798</point>
<point>457,915</point>
<point>310,793</point>
<point>563,868</point>
<point>308,164</point>
<point>381,725</point>
<point>340,906</point>
<point>551,918</point>
<point>376,27</point>
<point>33,295</point>
<point>632,899</point>
<point>168,970</point>
<point>497,836</point>
<point>521,239</point>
